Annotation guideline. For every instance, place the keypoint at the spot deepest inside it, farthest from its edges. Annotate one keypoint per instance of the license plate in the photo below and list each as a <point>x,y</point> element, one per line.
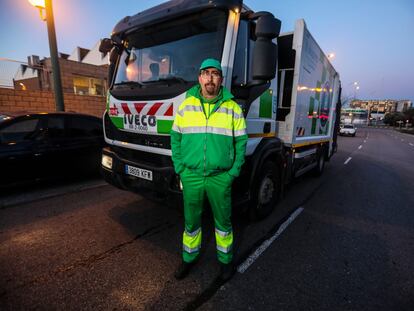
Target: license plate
<point>138,172</point>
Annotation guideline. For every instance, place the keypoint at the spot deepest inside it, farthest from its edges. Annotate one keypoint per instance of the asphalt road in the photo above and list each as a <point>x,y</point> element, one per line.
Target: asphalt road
<point>344,241</point>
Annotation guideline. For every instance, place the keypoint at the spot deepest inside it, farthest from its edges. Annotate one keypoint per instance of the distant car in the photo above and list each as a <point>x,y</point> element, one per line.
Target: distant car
<point>348,130</point>
<point>37,146</point>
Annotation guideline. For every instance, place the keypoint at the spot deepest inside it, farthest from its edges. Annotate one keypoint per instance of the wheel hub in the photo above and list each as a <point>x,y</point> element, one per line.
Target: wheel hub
<point>266,190</point>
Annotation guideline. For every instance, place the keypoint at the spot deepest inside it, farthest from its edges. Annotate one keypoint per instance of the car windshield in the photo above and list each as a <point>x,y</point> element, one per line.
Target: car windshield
<point>348,126</point>
<point>171,52</point>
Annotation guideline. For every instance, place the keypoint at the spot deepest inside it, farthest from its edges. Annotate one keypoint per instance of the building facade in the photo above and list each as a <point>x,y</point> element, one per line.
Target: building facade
<point>84,72</point>
<point>382,106</point>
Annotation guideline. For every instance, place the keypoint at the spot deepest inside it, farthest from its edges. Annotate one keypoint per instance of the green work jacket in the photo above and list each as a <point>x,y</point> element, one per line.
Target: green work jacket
<point>209,145</point>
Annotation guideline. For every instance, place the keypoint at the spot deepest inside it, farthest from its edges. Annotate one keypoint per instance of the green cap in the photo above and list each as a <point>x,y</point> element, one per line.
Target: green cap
<point>210,62</point>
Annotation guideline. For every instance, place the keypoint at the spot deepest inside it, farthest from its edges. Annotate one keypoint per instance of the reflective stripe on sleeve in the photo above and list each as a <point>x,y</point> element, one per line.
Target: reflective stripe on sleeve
<point>240,132</point>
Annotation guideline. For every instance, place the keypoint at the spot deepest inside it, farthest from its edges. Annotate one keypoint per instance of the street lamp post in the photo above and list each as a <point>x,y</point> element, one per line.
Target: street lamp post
<point>57,82</point>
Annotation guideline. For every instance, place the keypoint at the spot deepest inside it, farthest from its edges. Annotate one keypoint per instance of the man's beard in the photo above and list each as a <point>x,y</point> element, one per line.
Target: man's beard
<point>210,89</point>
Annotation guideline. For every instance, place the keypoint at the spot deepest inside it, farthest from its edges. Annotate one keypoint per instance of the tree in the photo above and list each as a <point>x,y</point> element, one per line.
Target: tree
<point>409,115</point>
<point>392,118</point>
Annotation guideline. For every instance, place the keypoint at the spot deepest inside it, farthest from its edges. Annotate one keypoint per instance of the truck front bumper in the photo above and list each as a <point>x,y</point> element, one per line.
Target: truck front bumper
<point>164,181</point>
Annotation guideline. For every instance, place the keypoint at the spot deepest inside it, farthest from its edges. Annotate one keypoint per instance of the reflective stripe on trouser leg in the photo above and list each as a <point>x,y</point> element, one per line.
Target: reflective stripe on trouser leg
<point>218,190</point>
<point>193,194</point>
<point>224,241</point>
<point>192,243</point>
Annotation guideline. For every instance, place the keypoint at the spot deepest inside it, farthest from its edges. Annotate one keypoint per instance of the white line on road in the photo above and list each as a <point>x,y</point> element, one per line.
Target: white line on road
<point>411,144</point>
<point>247,263</point>
<point>365,141</point>
<point>360,146</point>
<point>347,160</point>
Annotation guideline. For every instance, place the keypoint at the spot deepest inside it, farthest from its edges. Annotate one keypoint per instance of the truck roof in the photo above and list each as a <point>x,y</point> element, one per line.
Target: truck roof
<point>168,10</point>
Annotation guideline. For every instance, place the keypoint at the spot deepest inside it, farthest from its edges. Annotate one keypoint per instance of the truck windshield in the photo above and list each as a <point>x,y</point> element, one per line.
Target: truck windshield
<point>170,53</point>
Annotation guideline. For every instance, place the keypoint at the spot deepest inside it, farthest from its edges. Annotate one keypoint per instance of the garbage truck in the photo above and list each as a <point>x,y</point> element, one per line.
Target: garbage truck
<point>286,86</point>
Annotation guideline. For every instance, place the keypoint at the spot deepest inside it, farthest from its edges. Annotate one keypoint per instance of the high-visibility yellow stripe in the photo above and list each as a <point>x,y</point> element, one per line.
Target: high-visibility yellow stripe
<point>310,143</point>
<point>224,240</point>
<point>192,241</point>
<point>272,134</point>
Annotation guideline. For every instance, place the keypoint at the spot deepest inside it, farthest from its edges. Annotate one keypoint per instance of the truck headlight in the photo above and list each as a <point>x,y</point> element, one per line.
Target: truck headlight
<point>106,161</point>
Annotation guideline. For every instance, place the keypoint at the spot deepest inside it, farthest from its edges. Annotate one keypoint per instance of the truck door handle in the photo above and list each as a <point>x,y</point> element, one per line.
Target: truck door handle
<point>266,127</point>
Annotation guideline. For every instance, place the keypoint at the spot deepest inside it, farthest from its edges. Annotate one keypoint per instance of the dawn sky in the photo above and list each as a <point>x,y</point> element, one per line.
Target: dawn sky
<point>373,40</point>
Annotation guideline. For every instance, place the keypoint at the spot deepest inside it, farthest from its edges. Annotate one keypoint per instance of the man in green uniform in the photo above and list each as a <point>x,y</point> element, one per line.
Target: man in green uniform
<point>208,142</point>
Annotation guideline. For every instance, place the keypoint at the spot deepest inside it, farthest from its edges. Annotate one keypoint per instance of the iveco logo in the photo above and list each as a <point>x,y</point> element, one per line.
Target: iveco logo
<point>142,120</point>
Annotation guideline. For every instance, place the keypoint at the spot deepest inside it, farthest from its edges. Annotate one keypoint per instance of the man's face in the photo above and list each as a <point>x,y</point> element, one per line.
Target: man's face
<point>210,80</point>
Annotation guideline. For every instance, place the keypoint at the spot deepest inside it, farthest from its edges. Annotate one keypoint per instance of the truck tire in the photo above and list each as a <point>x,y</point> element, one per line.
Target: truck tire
<point>318,170</point>
<point>265,192</point>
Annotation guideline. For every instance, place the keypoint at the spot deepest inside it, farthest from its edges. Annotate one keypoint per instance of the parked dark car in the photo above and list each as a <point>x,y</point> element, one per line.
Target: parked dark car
<point>38,146</point>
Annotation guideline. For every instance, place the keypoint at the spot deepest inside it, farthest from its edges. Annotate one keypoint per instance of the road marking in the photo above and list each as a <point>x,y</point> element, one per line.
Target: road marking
<point>251,259</point>
<point>402,139</point>
<point>347,160</point>
<point>411,144</point>
<point>365,141</point>
<point>360,146</point>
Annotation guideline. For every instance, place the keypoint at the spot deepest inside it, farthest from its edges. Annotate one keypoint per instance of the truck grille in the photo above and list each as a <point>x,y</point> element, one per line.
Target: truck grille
<point>156,141</point>
<point>141,157</point>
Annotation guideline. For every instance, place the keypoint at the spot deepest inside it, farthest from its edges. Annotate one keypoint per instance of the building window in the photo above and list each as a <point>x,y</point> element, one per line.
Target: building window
<point>88,86</point>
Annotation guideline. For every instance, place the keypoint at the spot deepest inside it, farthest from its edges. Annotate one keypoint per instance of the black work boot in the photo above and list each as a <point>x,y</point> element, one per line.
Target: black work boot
<point>226,271</point>
<point>183,270</point>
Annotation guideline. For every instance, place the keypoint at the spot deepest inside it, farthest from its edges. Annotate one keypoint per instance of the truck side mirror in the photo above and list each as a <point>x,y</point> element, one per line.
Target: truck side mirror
<point>106,45</point>
<point>264,60</point>
<point>267,26</point>
<point>113,47</point>
<point>265,51</point>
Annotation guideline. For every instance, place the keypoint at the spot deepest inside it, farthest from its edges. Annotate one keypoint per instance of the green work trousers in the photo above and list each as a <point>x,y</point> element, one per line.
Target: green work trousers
<point>218,191</point>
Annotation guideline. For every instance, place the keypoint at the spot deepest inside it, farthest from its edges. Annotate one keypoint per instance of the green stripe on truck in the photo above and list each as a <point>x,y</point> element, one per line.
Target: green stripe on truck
<point>164,126</point>
<point>265,110</point>
<point>118,122</point>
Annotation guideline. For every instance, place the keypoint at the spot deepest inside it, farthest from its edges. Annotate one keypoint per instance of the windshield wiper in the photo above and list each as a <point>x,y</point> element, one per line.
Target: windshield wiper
<point>128,83</point>
<point>168,79</point>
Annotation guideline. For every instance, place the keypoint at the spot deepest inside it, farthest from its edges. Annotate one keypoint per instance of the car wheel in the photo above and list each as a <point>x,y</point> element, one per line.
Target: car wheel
<point>266,191</point>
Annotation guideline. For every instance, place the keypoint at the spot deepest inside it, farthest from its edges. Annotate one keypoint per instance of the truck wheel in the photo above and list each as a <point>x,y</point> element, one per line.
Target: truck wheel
<point>318,170</point>
<point>265,192</point>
